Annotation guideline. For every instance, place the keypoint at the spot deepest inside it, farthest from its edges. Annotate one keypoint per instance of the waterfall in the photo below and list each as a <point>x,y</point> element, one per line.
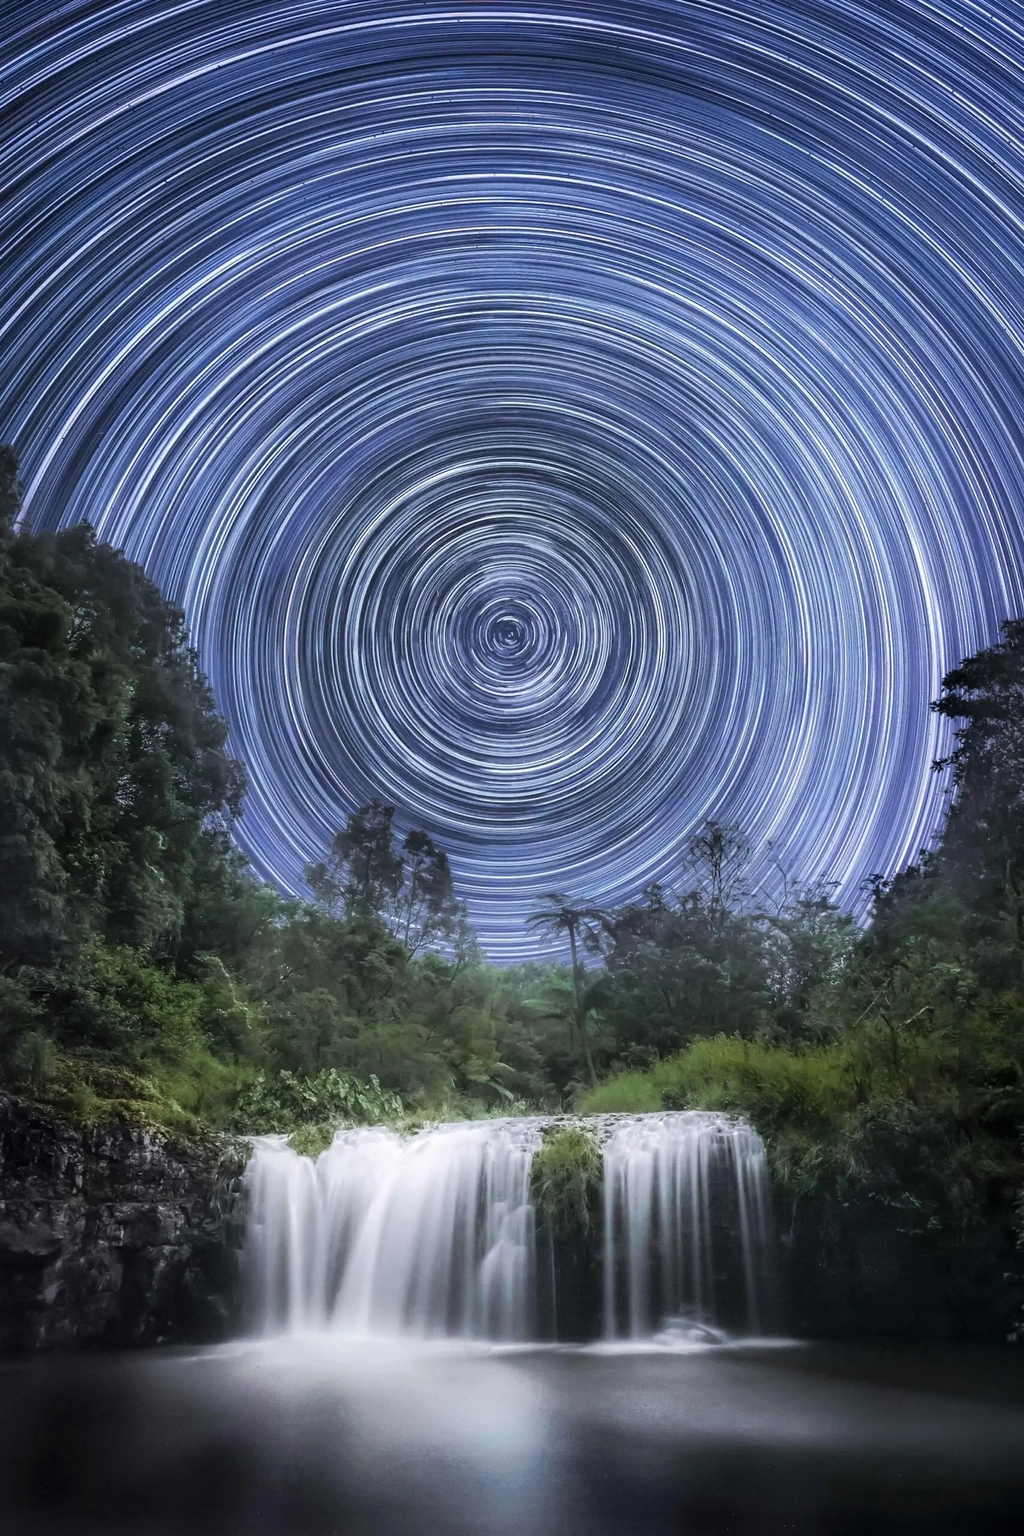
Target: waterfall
<point>428,1235</point>
<point>433,1235</point>
<point>682,1192</point>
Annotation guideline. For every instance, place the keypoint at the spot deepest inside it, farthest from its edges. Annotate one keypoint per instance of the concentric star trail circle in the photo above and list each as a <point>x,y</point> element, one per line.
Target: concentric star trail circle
<point>564,422</point>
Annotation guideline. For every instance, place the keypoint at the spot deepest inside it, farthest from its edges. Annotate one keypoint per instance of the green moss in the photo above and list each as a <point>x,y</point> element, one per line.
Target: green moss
<point>311,1140</point>
<point>565,1178</point>
<point>91,1094</point>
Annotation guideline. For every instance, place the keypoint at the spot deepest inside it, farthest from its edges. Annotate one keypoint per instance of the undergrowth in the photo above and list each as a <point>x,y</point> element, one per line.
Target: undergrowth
<point>565,1178</point>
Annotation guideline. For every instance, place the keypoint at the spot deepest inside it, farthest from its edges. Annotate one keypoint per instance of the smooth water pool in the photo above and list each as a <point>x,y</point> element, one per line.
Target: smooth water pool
<point>313,1435</point>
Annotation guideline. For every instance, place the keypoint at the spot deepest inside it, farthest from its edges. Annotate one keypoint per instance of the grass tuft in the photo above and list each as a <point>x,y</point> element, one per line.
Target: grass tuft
<point>565,1178</point>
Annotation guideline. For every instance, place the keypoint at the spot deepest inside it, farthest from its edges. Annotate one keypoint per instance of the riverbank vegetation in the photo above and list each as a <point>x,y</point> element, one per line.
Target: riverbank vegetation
<point>146,973</point>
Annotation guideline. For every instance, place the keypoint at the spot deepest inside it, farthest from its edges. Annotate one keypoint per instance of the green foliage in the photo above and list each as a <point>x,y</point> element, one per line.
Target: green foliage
<point>288,1102</point>
<point>799,1098</point>
<point>559,919</point>
<point>311,1110</point>
<point>566,1177</point>
<point>407,889</point>
<point>114,1000</point>
<point>116,792</point>
<point>794,1097</point>
<point>679,966</point>
<point>983,847</point>
<point>626,1093</point>
<point>533,1011</point>
<point>311,1140</point>
<point>93,1093</point>
<point>776,1086</point>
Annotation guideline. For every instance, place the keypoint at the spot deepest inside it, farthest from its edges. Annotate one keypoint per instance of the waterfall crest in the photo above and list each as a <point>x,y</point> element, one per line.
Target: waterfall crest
<point>434,1235</point>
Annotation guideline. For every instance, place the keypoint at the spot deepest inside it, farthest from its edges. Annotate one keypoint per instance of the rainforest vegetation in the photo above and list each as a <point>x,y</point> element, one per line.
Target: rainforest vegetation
<point>146,972</point>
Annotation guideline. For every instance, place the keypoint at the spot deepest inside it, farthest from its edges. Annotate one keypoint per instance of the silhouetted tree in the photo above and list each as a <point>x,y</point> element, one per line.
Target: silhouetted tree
<point>982,849</point>
<point>408,887</point>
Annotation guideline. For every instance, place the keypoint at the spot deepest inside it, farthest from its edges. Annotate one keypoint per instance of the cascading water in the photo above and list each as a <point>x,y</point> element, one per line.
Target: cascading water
<point>682,1191</point>
<point>433,1235</point>
<point>428,1235</point>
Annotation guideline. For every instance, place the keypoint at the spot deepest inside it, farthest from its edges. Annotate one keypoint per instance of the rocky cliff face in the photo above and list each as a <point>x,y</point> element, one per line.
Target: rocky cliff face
<point>114,1236</point>
<point>863,1270</point>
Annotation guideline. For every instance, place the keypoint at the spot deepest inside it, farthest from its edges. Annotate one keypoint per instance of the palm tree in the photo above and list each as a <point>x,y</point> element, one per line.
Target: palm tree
<point>556,916</point>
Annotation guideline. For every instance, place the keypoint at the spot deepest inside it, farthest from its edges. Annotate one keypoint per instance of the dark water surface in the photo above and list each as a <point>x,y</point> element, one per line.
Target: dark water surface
<point>319,1436</point>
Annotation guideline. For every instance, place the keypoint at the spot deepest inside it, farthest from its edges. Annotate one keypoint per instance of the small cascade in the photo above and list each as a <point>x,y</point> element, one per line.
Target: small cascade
<point>427,1236</point>
<point>685,1219</point>
<point>433,1235</point>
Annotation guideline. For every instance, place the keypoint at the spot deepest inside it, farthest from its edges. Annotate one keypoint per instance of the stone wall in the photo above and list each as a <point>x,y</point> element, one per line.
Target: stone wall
<point>115,1236</point>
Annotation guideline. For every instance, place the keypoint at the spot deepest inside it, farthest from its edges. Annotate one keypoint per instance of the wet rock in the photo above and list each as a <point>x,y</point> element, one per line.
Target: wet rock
<point>114,1236</point>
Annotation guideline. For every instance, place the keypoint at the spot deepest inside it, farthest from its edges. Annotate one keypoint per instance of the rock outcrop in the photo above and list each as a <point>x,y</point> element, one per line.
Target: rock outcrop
<point>113,1236</point>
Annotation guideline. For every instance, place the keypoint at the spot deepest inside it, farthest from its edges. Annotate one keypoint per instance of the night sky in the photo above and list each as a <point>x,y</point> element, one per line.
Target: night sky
<point>564,422</point>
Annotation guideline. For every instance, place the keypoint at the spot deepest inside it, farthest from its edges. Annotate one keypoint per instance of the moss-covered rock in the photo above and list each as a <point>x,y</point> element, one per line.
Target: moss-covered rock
<point>566,1181</point>
<point>565,1178</point>
<point>113,1234</point>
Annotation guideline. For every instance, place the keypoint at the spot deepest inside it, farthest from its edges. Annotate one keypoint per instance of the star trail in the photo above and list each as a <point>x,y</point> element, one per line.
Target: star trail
<point>563,422</point>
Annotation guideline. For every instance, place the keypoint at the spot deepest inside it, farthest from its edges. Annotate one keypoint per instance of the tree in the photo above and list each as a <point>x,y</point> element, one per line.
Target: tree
<point>558,917</point>
<point>718,854</point>
<point>426,908</point>
<point>117,792</point>
<point>982,848</point>
<point>407,888</point>
<point>808,942</point>
<point>363,873</point>
<point>681,966</point>
<point>10,494</point>
<point>530,1032</point>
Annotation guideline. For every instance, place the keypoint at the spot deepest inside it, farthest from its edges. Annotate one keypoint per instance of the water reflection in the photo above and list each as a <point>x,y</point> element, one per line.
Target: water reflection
<point>313,1436</point>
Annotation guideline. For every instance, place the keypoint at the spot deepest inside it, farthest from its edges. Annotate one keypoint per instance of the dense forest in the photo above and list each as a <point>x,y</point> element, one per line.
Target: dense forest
<point>145,972</point>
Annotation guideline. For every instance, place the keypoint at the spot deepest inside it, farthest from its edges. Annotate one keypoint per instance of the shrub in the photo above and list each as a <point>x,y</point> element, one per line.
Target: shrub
<point>94,1093</point>
<point>800,1100</point>
<point>775,1087</point>
<point>287,1102</point>
<point>772,1086</point>
<point>114,1000</point>
<point>629,1093</point>
<point>565,1178</point>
